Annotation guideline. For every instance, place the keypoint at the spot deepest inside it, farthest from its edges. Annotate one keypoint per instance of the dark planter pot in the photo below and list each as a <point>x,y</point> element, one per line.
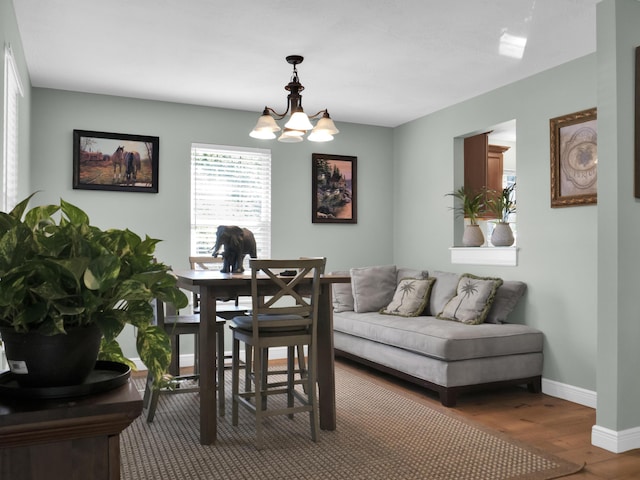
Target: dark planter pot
<point>38,360</point>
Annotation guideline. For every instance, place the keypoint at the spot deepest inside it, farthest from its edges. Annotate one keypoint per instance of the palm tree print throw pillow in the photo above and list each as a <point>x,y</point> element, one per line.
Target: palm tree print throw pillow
<point>472,301</point>
<point>410,298</point>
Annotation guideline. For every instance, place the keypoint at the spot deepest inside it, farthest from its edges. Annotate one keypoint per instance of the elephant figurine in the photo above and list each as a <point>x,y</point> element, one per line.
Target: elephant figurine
<point>237,243</point>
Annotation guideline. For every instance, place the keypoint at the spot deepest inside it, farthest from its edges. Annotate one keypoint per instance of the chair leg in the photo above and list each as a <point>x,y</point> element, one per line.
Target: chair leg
<point>174,365</point>
<point>248,366</point>
<point>196,356</point>
<point>235,380</point>
<point>265,374</point>
<point>290,377</point>
<point>314,414</point>
<point>150,399</point>
<point>259,389</point>
<point>220,365</point>
<point>147,392</point>
<point>302,367</point>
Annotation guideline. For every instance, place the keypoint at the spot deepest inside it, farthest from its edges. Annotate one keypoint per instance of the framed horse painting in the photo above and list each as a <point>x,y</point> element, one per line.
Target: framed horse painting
<point>115,161</point>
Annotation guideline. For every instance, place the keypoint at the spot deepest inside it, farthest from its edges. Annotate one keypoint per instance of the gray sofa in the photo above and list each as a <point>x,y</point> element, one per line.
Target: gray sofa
<point>387,318</point>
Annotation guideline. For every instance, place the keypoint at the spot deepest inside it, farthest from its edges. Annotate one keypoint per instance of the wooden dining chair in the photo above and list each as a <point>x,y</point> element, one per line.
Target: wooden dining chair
<point>299,351</point>
<point>281,316</point>
<point>176,325</point>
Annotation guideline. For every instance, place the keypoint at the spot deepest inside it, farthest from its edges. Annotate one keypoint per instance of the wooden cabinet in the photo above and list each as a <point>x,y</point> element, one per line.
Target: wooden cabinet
<point>482,163</point>
<point>76,438</point>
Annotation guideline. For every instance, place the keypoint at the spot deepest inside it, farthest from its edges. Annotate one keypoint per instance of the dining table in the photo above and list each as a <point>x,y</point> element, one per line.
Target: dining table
<point>211,285</point>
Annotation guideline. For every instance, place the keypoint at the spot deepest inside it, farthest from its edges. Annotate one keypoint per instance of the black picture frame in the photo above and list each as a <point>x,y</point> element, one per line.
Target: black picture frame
<point>334,188</point>
<point>118,162</point>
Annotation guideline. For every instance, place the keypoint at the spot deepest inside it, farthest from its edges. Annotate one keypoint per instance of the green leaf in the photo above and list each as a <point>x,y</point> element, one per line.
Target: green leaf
<point>10,253</point>
<point>154,347</point>
<point>74,267</point>
<point>111,323</point>
<point>75,215</point>
<point>53,326</point>
<point>102,272</point>
<point>20,208</point>
<point>174,296</point>
<point>139,313</point>
<point>111,351</point>
<point>41,215</point>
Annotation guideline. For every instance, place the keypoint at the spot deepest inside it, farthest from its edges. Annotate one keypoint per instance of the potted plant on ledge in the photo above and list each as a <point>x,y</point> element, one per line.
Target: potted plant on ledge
<point>469,205</point>
<point>72,282</point>
<point>502,205</point>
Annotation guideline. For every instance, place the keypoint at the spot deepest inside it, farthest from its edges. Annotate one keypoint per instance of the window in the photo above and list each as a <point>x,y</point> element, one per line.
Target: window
<point>230,186</point>
<point>12,92</point>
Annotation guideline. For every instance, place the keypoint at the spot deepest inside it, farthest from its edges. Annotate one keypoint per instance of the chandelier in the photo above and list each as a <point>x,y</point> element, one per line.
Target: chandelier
<point>299,123</point>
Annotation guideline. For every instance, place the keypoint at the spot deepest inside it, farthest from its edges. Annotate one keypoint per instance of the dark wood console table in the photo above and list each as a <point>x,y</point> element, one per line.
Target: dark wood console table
<point>66,439</point>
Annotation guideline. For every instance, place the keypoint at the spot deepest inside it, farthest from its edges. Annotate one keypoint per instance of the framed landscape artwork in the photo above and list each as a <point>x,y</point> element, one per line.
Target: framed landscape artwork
<point>334,183</point>
<point>574,159</point>
<point>115,161</point>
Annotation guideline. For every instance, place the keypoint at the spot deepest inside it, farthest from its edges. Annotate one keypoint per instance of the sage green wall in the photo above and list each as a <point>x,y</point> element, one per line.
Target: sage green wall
<point>557,247</point>
<point>11,36</point>
<point>618,218</point>
<point>166,215</point>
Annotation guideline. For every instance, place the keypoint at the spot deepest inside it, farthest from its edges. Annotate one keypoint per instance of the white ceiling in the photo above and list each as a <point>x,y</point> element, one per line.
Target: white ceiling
<point>377,62</point>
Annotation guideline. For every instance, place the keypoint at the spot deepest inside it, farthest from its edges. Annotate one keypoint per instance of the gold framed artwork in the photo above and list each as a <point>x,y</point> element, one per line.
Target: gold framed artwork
<point>574,159</point>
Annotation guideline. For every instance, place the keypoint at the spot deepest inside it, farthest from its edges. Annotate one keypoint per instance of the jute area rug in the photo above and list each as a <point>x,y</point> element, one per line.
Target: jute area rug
<point>380,434</point>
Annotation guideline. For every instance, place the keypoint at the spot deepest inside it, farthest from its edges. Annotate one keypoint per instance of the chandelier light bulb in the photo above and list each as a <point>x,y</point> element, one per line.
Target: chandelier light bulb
<point>291,136</point>
<point>325,124</point>
<point>319,136</point>
<point>299,121</point>
<point>262,134</point>
<point>265,127</point>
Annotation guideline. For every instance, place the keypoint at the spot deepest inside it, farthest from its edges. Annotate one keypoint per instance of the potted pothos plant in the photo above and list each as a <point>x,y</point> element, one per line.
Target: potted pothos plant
<point>62,278</point>
<point>470,205</point>
<point>501,204</point>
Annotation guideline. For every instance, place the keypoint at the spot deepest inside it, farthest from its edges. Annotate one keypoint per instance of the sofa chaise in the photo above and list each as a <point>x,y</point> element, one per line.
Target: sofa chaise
<point>441,330</point>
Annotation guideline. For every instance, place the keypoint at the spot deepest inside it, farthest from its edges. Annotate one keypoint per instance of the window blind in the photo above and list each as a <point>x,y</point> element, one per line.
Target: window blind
<point>12,92</point>
<point>230,186</point>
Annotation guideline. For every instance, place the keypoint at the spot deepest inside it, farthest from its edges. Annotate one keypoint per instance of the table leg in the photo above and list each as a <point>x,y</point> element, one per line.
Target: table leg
<point>206,360</point>
<point>326,362</point>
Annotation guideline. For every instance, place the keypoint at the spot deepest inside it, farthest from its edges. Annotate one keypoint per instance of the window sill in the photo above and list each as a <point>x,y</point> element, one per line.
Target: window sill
<point>506,256</point>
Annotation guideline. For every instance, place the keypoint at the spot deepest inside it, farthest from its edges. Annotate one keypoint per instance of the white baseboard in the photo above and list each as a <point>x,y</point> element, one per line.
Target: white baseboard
<point>616,442</point>
<point>573,394</point>
<point>611,440</point>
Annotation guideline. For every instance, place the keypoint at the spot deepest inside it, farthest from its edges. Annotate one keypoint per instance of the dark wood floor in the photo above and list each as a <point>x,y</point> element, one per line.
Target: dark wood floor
<point>549,423</point>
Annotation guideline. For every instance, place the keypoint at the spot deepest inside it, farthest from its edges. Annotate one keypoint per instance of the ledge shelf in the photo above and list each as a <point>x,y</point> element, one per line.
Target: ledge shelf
<point>506,256</point>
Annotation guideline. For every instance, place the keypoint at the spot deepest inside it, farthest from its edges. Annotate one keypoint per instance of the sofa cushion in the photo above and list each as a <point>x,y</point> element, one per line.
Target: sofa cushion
<point>439,339</point>
<point>410,297</point>
<point>472,301</point>
<point>372,287</point>
<point>443,290</point>
<point>403,272</point>
<point>342,295</point>
<point>507,298</point>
